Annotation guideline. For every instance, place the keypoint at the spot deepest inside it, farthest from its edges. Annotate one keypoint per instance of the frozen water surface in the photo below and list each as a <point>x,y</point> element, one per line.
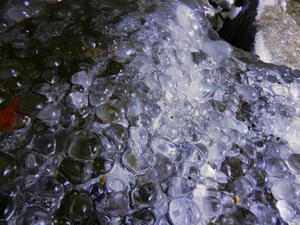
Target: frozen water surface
<point>140,114</point>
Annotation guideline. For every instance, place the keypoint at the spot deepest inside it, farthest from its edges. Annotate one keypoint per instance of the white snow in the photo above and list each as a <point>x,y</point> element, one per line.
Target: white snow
<point>260,48</point>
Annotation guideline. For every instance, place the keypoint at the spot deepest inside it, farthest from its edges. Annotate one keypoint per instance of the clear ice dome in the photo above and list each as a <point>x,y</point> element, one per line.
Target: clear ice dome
<point>136,113</point>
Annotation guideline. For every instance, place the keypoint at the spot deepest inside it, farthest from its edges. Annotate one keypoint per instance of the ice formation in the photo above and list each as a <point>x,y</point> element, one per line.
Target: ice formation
<point>140,114</point>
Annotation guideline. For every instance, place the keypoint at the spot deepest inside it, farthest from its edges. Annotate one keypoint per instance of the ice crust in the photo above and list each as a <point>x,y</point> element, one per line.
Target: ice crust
<point>171,125</point>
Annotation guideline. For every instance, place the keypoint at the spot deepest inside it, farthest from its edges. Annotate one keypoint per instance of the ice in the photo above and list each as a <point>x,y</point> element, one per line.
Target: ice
<point>76,206</point>
<point>115,185</point>
<point>101,91</point>
<point>114,204</point>
<point>83,145</point>
<point>140,114</point>
<point>30,162</point>
<point>50,115</point>
<point>186,17</point>
<point>96,190</point>
<point>75,171</point>
<point>218,50</point>
<point>199,57</point>
<point>34,215</point>
<point>77,99</point>
<point>118,135</point>
<point>276,167</point>
<point>247,92</point>
<point>108,113</point>
<point>122,174</point>
<point>242,186</point>
<point>144,195</point>
<point>260,176</point>
<point>164,147</point>
<point>8,168</point>
<point>68,118</point>
<point>208,207</point>
<point>263,213</point>
<point>294,91</point>
<point>138,162</point>
<point>134,107</point>
<point>143,216</point>
<point>18,13</point>
<point>179,187</point>
<point>124,51</point>
<point>279,89</point>
<point>287,212</point>
<point>284,190</point>
<point>208,188</point>
<point>161,204</point>
<point>139,136</point>
<point>230,123</point>
<point>195,153</point>
<point>294,162</point>
<point>233,167</point>
<point>162,221</point>
<point>46,90</point>
<point>103,163</point>
<point>183,211</point>
<point>49,186</point>
<point>162,168</point>
<point>44,143</point>
<point>83,79</point>
<point>97,99</point>
<point>48,30</point>
<point>8,206</point>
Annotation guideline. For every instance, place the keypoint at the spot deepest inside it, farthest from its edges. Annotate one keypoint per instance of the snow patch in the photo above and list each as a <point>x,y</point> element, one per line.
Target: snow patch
<point>260,48</point>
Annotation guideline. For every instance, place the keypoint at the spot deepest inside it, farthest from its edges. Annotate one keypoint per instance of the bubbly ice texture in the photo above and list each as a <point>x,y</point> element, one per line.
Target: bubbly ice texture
<point>169,125</point>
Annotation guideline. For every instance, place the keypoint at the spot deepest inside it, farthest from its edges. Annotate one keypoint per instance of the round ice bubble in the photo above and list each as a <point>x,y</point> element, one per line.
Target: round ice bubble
<point>286,210</point>
<point>77,99</point>
<point>183,211</point>
<point>165,147</point>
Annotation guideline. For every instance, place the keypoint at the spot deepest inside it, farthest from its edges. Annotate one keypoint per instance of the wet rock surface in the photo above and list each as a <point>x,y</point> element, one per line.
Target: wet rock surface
<point>135,112</point>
